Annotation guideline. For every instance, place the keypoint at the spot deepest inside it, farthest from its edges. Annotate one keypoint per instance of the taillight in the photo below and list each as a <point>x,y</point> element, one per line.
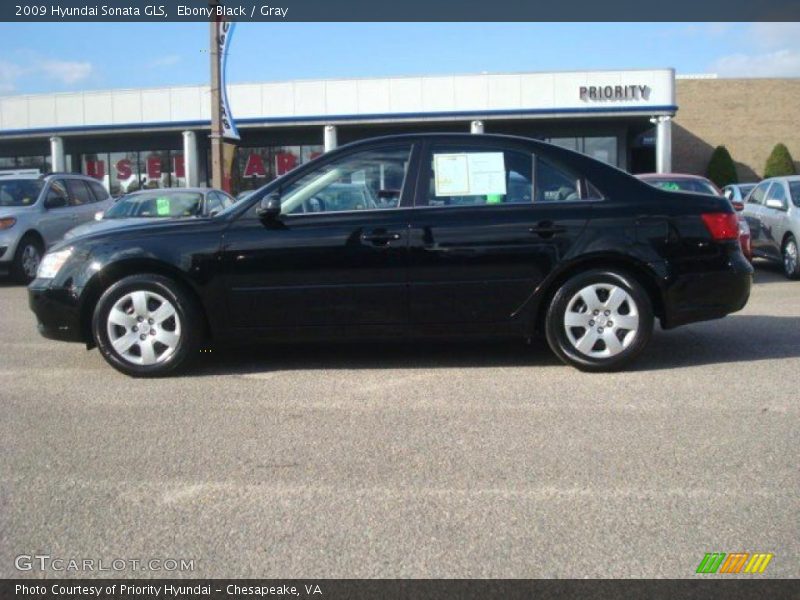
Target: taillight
<point>722,226</point>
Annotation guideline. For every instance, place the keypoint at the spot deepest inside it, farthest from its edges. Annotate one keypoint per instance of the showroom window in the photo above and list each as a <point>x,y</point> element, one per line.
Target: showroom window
<point>125,172</point>
<point>41,162</point>
<point>256,166</point>
<point>603,148</point>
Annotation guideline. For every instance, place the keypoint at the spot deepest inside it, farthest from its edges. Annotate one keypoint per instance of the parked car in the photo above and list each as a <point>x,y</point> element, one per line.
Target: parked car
<point>168,203</point>
<point>772,210</point>
<point>737,192</point>
<point>585,254</point>
<point>680,182</point>
<point>37,210</point>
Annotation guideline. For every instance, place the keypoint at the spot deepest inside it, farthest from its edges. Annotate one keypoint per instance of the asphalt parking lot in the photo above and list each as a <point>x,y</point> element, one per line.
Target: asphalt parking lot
<point>453,460</point>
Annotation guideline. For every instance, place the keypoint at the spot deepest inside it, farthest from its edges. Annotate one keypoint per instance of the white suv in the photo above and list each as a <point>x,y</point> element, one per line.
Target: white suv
<point>37,210</point>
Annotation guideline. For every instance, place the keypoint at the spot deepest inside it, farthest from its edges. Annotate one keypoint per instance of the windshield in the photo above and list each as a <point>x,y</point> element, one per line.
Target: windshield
<point>745,188</point>
<point>157,205</point>
<point>794,189</point>
<point>19,192</point>
<point>697,186</point>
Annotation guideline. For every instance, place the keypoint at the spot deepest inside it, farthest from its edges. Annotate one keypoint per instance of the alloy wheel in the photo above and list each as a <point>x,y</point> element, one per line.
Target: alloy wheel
<point>601,320</point>
<point>30,260</point>
<point>790,258</point>
<point>144,328</point>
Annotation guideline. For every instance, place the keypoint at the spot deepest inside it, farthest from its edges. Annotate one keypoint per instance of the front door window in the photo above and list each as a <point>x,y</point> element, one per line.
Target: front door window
<point>368,180</point>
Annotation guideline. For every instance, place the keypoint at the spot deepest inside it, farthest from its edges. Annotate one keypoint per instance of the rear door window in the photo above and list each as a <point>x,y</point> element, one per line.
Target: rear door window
<point>79,193</point>
<point>558,183</point>
<point>100,193</point>
<point>478,176</point>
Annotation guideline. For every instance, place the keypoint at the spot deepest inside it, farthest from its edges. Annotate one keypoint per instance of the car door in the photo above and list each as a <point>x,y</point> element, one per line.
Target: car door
<point>56,221</point>
<point>774,219</point>
<point>326,261</point>
<point>753,213</point>
<point>483,235</point>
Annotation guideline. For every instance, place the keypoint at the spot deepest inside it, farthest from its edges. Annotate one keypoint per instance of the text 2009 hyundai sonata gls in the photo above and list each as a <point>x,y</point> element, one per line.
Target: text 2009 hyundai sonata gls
<point>413,235</point>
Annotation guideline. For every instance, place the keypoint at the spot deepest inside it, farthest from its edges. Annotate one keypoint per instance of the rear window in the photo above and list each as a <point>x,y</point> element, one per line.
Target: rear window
<point>794,190</point>
<point>695,186</point>
<point>19,192</point>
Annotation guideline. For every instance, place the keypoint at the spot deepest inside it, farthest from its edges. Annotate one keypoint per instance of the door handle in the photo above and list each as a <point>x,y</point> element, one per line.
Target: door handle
<point>546,229</point>
<point>380,238</point>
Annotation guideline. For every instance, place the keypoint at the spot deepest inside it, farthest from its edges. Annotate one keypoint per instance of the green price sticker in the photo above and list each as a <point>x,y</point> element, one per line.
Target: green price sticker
<point>162,207</point>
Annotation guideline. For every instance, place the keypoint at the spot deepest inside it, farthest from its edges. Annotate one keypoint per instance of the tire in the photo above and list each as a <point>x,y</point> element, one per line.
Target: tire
<point>156,328</point>
<point>791,258</point>
<point>629,320</point>
<point>26,259</point>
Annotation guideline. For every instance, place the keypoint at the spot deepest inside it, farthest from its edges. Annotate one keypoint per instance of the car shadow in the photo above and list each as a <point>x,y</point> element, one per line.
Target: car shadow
<point>767,271</point>
<point>372,355</point>
<point>735,339</point>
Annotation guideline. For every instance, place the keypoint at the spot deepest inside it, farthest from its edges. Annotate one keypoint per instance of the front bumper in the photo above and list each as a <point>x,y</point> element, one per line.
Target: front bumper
<point>57,312</point>
<point>711,294</point>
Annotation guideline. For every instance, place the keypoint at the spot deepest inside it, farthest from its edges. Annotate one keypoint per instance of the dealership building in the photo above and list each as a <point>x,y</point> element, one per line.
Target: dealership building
<point>159,137</point>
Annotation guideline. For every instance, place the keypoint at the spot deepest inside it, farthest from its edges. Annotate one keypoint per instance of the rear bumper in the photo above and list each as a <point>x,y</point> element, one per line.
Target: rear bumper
<point>706,295</point>
<point>56,311</point>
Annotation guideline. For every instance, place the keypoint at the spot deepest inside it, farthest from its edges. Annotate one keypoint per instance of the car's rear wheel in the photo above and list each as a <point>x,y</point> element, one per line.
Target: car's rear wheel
<point>791,258</point>
<point>147,326</point>
<point>26,259</point>
<point>599,320</point>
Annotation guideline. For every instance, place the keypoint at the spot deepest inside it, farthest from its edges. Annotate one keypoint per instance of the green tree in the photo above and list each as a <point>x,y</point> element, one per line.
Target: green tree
<point>779,162</point>
<point>721,169</point>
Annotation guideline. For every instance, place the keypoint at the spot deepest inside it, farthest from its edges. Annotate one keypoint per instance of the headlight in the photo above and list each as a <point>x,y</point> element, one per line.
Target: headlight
<point>51,263</point>
<point>7,223</point>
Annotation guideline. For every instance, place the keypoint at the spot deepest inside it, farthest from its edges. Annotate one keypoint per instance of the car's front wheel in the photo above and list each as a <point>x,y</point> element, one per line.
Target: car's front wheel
<point>599,320</point>
<point>147,326</point>
<point>26,259</point>
<point>791,258</point>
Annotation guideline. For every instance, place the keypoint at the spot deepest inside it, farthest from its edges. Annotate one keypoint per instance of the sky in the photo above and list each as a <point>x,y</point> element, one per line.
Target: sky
<point>55,57</point>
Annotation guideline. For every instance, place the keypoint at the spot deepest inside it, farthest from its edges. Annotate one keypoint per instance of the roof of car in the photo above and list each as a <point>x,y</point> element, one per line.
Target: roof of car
<point>198,190</point>
<point>670,176</point>
<point>784,178</point>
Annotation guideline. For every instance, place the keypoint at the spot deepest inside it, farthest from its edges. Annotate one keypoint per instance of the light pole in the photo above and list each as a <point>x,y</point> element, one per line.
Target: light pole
<point>217,162</point>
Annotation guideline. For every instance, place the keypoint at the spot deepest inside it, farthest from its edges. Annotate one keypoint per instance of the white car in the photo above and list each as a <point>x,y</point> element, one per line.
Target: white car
<point>772,210</point>
<point>37,210</point>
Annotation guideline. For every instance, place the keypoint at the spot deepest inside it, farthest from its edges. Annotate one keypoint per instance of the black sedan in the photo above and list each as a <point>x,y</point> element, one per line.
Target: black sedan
<point>470,235</point>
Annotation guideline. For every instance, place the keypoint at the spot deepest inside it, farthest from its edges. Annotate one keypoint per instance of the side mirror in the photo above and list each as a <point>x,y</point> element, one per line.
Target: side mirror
<point>55,202</point>
<point>776,204</point>
<point>269,208</point>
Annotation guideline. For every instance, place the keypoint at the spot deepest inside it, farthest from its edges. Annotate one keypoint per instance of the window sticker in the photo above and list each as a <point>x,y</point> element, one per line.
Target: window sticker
<point>451,174</point>
<point>470,174</point>
<point>162,206</point>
